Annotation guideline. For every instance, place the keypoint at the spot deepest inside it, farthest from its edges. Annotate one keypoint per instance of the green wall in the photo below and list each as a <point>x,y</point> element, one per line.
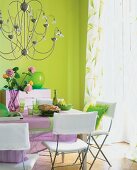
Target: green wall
<point>65,69</point>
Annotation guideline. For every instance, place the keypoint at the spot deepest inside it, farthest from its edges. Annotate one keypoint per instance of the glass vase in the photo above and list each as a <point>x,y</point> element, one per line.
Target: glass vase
<point>13,105</point>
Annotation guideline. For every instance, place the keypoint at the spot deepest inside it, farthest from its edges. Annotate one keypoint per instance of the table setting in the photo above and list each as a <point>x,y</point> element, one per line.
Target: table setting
<point>27,102</point>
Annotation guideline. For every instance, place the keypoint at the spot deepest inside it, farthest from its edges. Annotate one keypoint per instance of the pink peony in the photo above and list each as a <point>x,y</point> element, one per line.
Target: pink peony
<point>32,69</point>
<point>10,72</point>
<point>28,88</point>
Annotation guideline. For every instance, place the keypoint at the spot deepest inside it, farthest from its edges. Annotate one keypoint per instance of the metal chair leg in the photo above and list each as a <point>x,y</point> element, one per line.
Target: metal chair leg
<point>100,147</point>
<point>50,156</point>
<point>78,157</point>
<point>91,153</point>
<point>81,164</point>
<point>63,156</point>
<point>52,168</point>
<point>99,150</point>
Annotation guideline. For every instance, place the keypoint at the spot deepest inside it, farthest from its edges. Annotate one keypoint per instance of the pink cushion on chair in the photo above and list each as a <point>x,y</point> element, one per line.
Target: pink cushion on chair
<point>11,156</point>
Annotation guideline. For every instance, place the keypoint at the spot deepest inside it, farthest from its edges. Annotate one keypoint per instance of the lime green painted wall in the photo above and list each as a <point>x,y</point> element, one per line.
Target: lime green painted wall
<point>65,68</point>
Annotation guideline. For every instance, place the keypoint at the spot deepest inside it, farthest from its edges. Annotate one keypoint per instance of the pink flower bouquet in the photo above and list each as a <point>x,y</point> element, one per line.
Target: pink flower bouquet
<point>13,79</point>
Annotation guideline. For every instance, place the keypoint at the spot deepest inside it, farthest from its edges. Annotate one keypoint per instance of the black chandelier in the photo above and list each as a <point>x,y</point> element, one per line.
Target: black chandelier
<point>22,34</point>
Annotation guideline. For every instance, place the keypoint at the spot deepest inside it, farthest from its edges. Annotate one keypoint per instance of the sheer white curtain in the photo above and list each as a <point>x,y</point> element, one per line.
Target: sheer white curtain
<point>119,55</point>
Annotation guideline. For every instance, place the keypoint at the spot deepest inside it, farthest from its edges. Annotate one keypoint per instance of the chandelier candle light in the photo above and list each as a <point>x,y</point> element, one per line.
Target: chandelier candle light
<point>27,32</point>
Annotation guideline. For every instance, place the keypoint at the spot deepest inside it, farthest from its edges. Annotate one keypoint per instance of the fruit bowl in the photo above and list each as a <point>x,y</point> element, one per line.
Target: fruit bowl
<point>65,107</point>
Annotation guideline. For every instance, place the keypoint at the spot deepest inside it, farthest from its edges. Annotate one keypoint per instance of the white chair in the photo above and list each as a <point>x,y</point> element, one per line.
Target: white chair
<point>15,136</point>
<point>110,113</point>
<point>74,123</point>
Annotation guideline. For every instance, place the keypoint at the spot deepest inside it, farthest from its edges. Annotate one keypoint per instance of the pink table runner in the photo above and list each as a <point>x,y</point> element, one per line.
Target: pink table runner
<point>43,128</point>
<point>37,123</point>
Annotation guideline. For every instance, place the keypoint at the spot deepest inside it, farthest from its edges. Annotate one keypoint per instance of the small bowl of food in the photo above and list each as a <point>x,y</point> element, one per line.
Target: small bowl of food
<point>48,110</point>
<point>65,107</point>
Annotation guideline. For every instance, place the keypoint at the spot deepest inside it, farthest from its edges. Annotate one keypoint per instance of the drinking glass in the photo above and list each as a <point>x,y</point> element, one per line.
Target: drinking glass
<point>22,105</point>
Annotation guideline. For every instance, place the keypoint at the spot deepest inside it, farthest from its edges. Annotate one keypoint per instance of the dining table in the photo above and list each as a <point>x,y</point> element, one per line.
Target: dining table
<point>41,130</point>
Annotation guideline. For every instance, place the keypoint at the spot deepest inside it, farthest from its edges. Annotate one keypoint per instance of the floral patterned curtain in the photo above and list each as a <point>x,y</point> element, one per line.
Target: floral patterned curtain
<point>93,59</point>
<point>111,71</point>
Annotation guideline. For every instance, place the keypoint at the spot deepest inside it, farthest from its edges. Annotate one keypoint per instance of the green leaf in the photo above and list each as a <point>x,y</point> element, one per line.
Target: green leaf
<point>13,80</point>
<point>10,88</point>
<point>15,69</point>
<point>100,8</point>
<point>17,75</point>
<point>90,26</point>
<point>12,84</point>
<point>89,47</point>
<point>5,86</point>
<point>25,83</point>
<point>92,3</point>
<point>8,79</point>
<point>101,109</point>
<point>29,74</point>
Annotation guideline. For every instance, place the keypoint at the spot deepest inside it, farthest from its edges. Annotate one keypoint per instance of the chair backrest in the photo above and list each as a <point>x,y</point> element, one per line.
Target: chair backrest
<point>111,108</point>
<point>74,123</point>
<point>14,136</point>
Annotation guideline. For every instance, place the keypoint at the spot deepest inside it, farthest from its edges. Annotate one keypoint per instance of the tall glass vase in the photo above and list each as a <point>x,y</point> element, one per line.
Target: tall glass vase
<point>13,105</point>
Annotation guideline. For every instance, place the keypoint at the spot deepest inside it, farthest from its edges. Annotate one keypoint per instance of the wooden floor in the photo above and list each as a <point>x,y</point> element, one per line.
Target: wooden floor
<point>115,152</point>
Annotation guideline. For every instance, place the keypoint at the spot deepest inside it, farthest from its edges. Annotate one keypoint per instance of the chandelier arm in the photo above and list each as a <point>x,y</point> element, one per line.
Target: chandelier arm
<point>36,1</point>
<point>45,27</point>
<point>53,46</point>
<point>34,26</point>
<point>28,22</point>
<point>18,15</point>
<point>31,36</point>
<point>38,41</point>
<point>39,9</point>
<point>13,51</point>
<point>14,20</point>
<point>9,39</point>
<point>30,47</point>
<point>9,9</point>
<point>10,59</point>
<point>21,26</point>
<point>29,19</point>
<point>41,33</point>
<point>33,53</point>
<point>44,34</point>
<point>35,29</point>
<point>41,58</point>
<point>7,32</point>
<point>16,33</point>
<point>24,32</point>
<point>18,40</point>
